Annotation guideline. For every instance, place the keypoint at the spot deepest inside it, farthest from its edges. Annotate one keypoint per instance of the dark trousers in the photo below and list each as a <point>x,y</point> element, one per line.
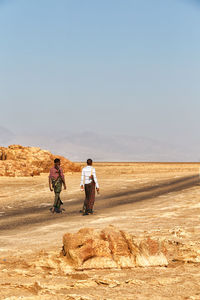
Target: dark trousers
<point>57,186</point>
<point>89,196</point>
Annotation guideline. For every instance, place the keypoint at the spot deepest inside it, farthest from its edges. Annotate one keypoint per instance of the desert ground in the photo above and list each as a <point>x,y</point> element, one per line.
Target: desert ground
<point>160,200</point>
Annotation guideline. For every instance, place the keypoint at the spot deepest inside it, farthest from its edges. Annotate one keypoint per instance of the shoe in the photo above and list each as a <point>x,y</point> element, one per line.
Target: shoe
<point>83,209</point>
<point>85,213</point>
<point>90,211</point>
<point>57,210</point>
<point>52,210</point>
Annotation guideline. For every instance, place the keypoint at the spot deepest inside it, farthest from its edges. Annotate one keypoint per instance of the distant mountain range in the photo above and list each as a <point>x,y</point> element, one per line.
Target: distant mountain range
<point>80,146</point>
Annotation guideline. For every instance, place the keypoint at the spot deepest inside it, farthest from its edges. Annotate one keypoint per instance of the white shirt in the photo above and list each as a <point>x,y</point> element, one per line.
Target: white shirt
<point>86,173</point>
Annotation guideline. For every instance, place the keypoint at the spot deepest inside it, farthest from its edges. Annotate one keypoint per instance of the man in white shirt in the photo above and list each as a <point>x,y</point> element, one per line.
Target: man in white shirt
<point>89,181</point>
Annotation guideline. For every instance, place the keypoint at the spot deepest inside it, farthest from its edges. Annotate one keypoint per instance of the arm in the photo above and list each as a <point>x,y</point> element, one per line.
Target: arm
<point>95,180</point>
<point>50,186</point>
<point>82,179</point>
<point>64,184</point>
<point>63,179</point>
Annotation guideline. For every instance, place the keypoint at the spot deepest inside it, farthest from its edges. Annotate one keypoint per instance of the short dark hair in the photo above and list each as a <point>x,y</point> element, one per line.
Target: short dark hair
<point>56,160</point>
<point>89,161</point>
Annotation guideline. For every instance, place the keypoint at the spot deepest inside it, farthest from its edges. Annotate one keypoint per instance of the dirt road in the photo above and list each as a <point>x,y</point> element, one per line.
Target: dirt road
<point>38,214</point>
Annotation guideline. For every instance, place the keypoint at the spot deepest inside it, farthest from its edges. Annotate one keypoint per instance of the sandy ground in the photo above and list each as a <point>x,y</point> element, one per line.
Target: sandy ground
<point>145,199</point>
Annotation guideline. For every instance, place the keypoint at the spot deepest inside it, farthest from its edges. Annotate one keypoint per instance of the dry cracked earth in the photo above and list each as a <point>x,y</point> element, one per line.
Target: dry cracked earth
<point>157,200</point>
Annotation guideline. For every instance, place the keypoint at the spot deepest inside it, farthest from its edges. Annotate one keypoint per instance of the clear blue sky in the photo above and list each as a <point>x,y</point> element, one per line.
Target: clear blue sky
<point>121,66</point>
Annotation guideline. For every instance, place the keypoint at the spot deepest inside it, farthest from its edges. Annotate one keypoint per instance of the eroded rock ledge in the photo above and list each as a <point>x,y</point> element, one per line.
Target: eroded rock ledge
<point>17,160</point>
<point>111,248</point>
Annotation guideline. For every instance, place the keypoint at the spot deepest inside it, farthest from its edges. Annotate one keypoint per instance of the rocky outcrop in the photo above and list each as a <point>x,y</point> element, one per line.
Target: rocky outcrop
<point>17,160</point>
<point>111,248</point>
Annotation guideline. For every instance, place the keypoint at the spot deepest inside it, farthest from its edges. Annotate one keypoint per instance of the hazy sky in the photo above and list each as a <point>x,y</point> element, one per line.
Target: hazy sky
<point>121,66</point>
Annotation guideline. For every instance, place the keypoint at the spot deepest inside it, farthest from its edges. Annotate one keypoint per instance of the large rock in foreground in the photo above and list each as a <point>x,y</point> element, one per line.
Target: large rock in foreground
<point>111,248</point>
<point>17,160</point>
